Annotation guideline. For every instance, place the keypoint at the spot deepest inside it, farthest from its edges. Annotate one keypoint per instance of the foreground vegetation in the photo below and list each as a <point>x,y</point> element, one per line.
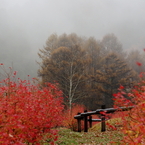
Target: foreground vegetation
<point>29,114</point>
<point>68,137</point>
<point>94,136</point>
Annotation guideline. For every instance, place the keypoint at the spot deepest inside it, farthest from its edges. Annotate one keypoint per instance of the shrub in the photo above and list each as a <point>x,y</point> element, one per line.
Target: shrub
<point>69,120</point>
<point>133,120</point>
<point>28,113</point>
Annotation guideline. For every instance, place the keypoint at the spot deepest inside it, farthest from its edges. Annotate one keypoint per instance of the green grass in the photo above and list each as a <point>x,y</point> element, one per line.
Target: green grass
<point>93,137</point>
<point>68,137</point>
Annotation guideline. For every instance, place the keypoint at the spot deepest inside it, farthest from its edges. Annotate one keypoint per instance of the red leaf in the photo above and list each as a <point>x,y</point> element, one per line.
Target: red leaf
<point>138,63</point>
<point>103,113</point>
<point>121,87</point>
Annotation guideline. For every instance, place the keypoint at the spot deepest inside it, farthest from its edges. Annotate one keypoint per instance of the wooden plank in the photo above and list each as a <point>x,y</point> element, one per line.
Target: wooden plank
<point>108,110</point>
<point>95,120</point>
<point>85,115</point>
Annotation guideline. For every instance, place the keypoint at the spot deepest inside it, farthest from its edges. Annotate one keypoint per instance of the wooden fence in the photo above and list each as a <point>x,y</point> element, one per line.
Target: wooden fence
<point>87,117</point>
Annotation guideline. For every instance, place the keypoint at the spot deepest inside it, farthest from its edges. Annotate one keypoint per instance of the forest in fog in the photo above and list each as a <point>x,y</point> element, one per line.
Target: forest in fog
<point>66,66</point>
<point>88,47</point>
<point>89,71</point>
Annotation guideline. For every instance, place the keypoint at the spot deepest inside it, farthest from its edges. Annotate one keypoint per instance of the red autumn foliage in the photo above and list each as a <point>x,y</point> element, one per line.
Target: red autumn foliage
<point>121,87</point>
<point>69,121</point>
<point>28,113</point>
<point>138,63</point>
<point>133,120</point>
<point>103,113</point>
<point>111,126</point>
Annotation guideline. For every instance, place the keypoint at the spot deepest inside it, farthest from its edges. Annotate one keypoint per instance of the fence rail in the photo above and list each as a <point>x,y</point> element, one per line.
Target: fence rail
<point>84,116</point>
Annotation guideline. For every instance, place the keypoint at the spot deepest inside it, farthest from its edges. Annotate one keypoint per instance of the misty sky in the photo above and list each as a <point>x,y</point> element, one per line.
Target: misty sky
<point>25,25</point>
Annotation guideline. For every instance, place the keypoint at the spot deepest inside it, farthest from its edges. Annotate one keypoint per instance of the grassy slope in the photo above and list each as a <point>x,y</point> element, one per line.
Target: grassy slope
<point>93,137</point>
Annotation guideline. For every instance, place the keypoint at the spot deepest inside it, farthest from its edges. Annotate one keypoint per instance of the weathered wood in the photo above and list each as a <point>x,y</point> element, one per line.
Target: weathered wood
<point>84,116</point>
<point>108,110</point>
<point>90,121</point>
<point>85,122</point>
<point>103,125</point>
<point>95,120</point>
<point>79,124</point>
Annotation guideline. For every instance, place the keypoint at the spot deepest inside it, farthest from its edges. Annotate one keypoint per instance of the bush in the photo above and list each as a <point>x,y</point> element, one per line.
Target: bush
<point>28,113</point>
<point>69,121</point>
<point>133,120</point>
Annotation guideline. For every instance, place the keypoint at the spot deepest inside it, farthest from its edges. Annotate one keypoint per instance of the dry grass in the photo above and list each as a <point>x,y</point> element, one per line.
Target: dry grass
<point>94,136</point>
<point>115,122</point>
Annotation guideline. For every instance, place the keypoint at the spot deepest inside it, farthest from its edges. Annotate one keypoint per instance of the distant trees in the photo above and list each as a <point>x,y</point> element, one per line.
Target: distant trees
<point>67,66</point>
<point>113,73</point>
<point>135,56</point>
<point>95,54</point>
<point>111,44</point>
<point>86,70</point>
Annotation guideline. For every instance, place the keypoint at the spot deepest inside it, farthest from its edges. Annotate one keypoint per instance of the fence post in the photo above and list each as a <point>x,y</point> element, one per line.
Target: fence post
<point>79,123</point>
<point>103,125</point>
<point>85,122</point>
<point>90,121</point>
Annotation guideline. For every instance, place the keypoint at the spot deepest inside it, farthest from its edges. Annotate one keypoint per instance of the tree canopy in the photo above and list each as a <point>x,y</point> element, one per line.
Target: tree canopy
<point>84,69</point>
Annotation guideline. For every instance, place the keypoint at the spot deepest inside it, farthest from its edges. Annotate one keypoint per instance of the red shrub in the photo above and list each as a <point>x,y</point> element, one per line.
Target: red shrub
<point>69,120</point>
<point>133,120</point>
<point>27,113</point>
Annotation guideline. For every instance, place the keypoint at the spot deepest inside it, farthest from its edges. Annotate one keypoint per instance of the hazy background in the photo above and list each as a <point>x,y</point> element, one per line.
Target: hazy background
<point>25,26</point>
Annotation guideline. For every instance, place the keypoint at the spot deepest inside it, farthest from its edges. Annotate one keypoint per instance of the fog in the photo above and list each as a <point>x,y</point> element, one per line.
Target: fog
<point>25,26</point>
